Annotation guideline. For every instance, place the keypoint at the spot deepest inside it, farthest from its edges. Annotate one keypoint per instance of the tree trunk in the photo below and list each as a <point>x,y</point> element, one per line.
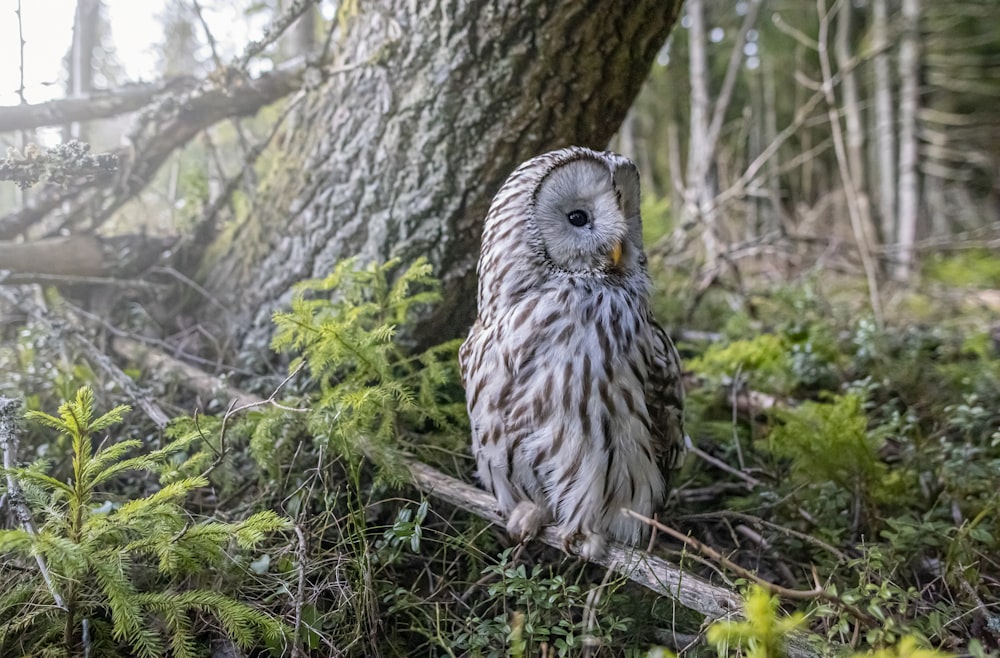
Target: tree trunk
<point>697,192</point>
<point>909,102</point>
<point>853,125</point>
<point>399,154</point>
<point>885,127</point>
<point>86,27</point>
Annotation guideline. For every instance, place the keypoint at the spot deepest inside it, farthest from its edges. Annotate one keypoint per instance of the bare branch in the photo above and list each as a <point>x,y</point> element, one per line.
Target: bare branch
<point>732,70</point>
<point>59,326</point>
<point>87,107</point>
<point>34,209</point>
<point>854,210</point>
<point>21,42</point>
<point>650,571</point>
<point>816,593</point>
<point>168,126</point>
<point>273,31</point>
<point>80,256</point>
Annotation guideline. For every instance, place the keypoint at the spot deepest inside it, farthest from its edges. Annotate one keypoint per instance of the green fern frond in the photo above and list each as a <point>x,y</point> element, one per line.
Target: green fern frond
<point>148,643</point>
<point>170,493</point>
<point>111,455</point>
<point>182,641</point>
<point>241,622</point>
<point>47,421</point>
<point>112,417</point>
<point>16,541</point>
<point>254,529</point>
<point>60,550</point>
<point>98,476</point>
<point>113,578</point>
<point>29,620</point>
<point>31,475</point>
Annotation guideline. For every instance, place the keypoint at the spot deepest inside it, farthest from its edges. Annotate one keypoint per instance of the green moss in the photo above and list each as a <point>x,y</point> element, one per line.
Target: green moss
<point>975,268</point>
<point>656,218</point>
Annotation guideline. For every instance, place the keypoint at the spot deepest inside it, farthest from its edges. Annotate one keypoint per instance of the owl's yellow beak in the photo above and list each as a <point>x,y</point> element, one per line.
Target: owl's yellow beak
<point>616,253</point>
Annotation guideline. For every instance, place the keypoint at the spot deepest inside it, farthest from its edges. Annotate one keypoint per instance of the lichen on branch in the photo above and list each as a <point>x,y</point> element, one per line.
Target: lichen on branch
<point>59,164</point>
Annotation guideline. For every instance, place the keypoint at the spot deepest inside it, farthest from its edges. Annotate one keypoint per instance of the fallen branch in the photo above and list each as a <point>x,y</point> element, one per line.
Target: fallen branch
<point>654,573</point>
<point>59,327</point>
<point>83,256</point>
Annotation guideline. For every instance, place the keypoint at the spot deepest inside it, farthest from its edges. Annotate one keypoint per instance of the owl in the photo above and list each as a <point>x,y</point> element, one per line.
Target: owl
<point>574,392</point>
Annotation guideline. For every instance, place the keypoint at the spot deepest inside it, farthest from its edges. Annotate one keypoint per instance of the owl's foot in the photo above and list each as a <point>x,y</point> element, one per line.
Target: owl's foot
<point>588,545</point>
<point>525,520</point>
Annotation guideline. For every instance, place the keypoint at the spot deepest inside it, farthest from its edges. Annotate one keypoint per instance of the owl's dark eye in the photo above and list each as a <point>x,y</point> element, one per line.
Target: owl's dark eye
<point>578,217</point>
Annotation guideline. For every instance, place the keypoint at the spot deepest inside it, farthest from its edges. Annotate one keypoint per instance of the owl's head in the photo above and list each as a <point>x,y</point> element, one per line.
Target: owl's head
<point>585,214</point>
<point>573,211</point>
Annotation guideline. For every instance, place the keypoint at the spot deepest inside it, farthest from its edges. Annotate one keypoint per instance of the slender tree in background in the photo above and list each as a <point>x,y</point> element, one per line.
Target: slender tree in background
<point>707,117</point>
<point>697,190</point>
<point>86,37</point>
<point>909,105</point>
<point>885,125</point>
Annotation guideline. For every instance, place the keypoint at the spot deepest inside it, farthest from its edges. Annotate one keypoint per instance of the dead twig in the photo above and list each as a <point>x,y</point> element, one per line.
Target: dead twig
<point>9,409</point>
<point>757,521</point>
<point>750,481</point>
<point>818,591</point>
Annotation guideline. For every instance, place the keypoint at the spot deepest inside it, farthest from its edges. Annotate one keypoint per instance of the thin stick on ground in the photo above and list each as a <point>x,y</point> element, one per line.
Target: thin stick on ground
<point>9,409</point>
<point>818,591</point>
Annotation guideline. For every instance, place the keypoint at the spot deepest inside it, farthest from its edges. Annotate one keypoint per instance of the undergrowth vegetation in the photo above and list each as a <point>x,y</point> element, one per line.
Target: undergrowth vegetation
<point>854,467</point>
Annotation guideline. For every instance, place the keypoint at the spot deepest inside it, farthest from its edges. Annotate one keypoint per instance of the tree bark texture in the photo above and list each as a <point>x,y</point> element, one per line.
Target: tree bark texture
<point>400,153</point>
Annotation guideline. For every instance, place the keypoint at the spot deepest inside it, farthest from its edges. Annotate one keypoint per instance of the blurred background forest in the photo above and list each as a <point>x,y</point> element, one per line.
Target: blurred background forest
<point>256,224</point>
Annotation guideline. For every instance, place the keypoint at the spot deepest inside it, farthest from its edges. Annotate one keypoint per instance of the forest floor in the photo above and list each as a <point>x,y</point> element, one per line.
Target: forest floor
<point>843,478</point>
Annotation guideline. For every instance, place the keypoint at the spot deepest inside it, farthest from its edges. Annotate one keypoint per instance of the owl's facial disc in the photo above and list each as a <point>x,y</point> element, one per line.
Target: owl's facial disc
<point>579,219</point>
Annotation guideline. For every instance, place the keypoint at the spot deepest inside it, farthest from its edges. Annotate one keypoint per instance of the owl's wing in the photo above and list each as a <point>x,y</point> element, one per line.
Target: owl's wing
<point>665,400</point>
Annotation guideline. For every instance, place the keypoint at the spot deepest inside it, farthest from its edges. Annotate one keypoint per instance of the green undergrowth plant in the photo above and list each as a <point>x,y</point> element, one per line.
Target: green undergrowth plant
<point>831,447</point>
<point>763,634</point>
<point>796,358</point>
<point>533,607</point>
<point>371,391</point>
<point>103,576</point>
<point>875,464</point>
<point>360,396</point>
<point>768,633</point>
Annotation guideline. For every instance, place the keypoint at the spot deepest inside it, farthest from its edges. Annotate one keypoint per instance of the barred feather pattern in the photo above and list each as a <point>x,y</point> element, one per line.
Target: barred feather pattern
<point>574,392</point>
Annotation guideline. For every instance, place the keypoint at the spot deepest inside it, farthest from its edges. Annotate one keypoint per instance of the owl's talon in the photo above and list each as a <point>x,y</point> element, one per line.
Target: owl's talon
<point>525,520</point>
<point>566,539</point>
<point>592,546</point>
<point>583,543</point>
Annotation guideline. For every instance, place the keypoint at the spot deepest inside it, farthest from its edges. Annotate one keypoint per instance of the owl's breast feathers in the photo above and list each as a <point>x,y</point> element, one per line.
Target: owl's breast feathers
<point>574,395</point>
